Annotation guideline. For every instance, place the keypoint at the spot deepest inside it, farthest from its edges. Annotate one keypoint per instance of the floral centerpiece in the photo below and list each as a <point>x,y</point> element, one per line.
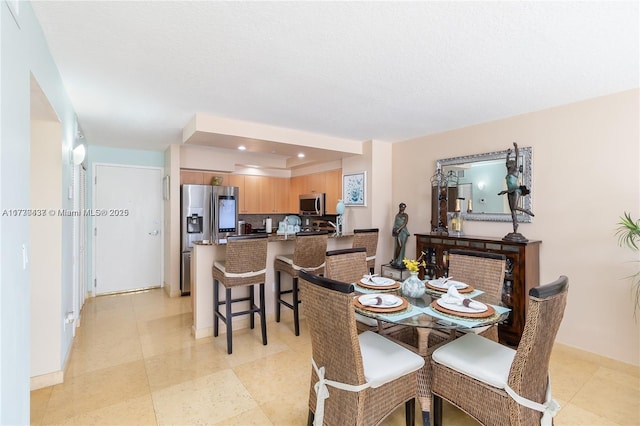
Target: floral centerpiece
<point>413,286</point>
<point>414,265</point>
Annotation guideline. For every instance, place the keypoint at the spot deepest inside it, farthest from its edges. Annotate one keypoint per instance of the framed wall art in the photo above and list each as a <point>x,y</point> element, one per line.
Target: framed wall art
<point>354,189</point>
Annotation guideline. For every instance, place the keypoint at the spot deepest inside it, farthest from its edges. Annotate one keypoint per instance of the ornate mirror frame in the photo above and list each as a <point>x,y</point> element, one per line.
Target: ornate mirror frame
<point>525,162</point>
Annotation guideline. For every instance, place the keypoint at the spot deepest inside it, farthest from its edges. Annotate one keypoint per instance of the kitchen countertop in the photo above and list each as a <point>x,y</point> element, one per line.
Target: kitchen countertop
<point>280,237</point>
<point>202,260</point>
<point>276,238</point>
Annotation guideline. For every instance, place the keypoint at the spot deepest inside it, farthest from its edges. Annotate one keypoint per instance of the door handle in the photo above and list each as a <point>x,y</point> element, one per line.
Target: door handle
<point>154,232</point>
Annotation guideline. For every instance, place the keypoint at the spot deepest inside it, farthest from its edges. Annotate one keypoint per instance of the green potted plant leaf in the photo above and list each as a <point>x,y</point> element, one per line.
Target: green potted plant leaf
<point>629,235</point>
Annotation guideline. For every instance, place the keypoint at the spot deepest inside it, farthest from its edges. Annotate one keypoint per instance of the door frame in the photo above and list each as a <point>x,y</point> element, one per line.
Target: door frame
<point>92,232</point>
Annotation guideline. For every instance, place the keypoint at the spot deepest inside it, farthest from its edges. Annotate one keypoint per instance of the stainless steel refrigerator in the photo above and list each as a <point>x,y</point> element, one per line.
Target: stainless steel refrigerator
<point>208,213</point>
<point>195,225</point>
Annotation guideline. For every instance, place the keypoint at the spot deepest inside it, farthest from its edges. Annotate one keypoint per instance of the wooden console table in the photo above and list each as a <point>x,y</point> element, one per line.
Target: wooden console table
<point>522,271</point>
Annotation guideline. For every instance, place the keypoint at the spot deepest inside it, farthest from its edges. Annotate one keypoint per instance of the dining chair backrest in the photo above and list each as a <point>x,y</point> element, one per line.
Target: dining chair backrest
<point>346,265</point>
<point>367,238</point>
<point>310,249</point>
<point>330,317</point>
<point>483,271</point>
<point>530,366</point>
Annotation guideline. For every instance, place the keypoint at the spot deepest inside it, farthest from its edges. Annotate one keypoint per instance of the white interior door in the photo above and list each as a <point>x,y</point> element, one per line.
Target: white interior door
<point>128,221</point>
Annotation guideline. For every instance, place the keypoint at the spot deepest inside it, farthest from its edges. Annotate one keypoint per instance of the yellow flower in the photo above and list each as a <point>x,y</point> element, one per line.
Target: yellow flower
<point>414,265</point>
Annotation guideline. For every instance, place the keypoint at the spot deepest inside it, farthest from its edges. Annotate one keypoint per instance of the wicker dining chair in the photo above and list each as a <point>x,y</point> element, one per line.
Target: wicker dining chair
<point>245,265</point>
<point>346,265</point>
<point>369,375</point>
<point>495,384</point>
<point>308,255</point>
<point>367,238</point>
<point>349,266</point>
<point>483,271</point>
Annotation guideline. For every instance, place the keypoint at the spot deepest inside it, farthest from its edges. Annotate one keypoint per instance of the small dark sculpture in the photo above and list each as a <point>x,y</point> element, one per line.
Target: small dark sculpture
<point>400,233</point>
<point>514,191</point>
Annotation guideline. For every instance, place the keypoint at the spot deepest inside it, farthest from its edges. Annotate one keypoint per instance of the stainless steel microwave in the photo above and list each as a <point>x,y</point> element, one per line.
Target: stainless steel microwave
<point>312,204</point>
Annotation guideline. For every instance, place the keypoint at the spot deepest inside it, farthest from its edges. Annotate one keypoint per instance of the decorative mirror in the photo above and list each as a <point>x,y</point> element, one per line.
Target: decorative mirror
<point>479,179</point>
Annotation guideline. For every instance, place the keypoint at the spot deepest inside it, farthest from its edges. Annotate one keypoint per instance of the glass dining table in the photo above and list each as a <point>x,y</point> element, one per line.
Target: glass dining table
<point>427,312</point>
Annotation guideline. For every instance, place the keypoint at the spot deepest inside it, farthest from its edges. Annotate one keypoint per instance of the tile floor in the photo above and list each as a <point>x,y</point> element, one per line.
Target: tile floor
<point>134,362</point>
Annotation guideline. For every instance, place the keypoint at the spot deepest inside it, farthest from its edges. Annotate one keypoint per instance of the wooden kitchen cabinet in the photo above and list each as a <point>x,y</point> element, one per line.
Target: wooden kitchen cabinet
<point>315,182</point>
<point>522,271</point>
<point>328,182</point>
<point>194,177</point>
<point>308,184</point>
<point>295,189</point>
<point>188,177</point>
<point>260,194</point>
<point>275,195</point>
<point>252,187</point>
<point>333,190</point>
<point>281,187</point>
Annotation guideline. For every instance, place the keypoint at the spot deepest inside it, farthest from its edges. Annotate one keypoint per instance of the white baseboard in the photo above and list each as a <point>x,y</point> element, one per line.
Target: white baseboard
<point>201,333</point>
<point>46,380</point>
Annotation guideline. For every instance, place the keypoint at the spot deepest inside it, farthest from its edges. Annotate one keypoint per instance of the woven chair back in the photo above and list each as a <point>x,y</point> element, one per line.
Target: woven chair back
<point>330,316</point>
<point>528,374</point>
<point>310,249</point>
<point>247,253</point>
<point>348,265</point>
<point>484,271</point>
<point>367,238</point>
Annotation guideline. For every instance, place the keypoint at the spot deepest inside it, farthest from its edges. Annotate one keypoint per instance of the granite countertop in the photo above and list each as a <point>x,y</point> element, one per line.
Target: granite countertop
<point>280,237</point>
<point>273,238</point>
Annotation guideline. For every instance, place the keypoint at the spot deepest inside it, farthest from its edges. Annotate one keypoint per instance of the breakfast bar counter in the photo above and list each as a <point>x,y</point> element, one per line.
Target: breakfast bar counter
<point>202,259</point>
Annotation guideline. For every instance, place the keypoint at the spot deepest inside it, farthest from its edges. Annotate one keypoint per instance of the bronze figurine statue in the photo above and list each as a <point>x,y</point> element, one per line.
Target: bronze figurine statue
<point>514,191</point>
<point>400,233</point>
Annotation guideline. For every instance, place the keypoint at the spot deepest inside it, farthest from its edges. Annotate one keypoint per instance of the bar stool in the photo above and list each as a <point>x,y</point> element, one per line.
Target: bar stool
<point>308,255</point>
<point>245,265</point>
<point>367,238</point>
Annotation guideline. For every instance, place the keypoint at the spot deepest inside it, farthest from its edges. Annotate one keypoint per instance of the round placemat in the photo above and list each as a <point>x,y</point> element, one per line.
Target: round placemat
<point>489,312</point>
<point>467,289</point>
<point>379,287</point>
<point>400,307</point>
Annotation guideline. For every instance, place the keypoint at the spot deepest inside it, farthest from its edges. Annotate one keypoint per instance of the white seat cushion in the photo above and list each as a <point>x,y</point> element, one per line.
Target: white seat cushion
<point>384,360</point>
<point>288,258</point>
<point>366,320</point>
<point>220,264</point>
<point>477,357</point>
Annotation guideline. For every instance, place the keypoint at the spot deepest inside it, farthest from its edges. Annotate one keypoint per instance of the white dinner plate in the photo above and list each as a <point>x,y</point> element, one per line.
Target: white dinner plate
<point>461,308</point>
<point>389,300</point>
<point>378,281</point>
<point>438,283</point>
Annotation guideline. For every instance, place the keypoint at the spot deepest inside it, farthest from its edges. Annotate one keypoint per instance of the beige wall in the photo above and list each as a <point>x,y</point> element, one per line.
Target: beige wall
<point>586,165</point>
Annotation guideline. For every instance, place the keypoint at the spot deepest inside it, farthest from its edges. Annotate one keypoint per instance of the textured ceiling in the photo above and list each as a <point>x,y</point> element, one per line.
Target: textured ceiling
<point>137,72</point>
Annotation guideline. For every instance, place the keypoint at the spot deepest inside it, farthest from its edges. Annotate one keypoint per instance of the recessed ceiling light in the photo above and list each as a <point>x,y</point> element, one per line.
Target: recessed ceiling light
<point>301,155</point>
<point>242,147</point>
